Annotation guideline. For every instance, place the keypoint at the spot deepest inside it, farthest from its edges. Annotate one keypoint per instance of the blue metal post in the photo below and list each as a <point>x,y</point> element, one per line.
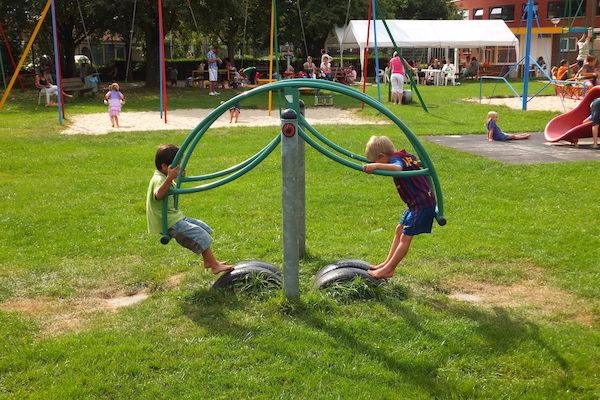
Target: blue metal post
<point>57,63</point>
<point>376,51</point>
<point>527,57</point>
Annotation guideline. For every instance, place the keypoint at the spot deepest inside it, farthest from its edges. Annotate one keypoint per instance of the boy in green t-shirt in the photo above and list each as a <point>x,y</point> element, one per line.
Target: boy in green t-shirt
<point>189,232</point>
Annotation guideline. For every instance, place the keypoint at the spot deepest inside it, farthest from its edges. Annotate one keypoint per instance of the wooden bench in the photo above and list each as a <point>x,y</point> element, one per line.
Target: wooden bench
<point>75,85</point>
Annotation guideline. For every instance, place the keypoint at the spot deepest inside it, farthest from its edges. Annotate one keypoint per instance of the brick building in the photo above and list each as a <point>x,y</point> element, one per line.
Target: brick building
<point>561,24</point>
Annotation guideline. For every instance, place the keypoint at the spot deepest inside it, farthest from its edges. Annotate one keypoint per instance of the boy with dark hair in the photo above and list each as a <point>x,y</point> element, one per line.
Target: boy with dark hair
<point>189,232</point>
<point>415,191</point>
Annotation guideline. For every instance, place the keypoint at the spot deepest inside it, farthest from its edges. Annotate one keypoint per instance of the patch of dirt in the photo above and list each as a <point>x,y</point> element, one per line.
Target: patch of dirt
<point>541,297</point>
<point>539,103</point>
<point>57,316</point>
<point>187,119</point>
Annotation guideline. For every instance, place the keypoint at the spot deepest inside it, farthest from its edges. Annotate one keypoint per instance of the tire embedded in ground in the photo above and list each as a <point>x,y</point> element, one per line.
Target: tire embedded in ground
<point>245,270</point>
<point>345,263</point>
<point>346,274</point>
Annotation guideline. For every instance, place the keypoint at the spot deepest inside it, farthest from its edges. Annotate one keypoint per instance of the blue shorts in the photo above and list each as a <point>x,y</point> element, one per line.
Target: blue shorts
<point>192,234</point>
<point>501,138</point>
<point>418,221</point>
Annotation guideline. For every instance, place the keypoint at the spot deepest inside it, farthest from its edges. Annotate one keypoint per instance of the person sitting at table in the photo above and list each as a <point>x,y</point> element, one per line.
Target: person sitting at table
<point>351,75</point>
<point>472,70</point>
<point>44,81</point>
<point>250,73</point>
<point>309,67</point>
<point>326,69</point>
<point>435,64</point>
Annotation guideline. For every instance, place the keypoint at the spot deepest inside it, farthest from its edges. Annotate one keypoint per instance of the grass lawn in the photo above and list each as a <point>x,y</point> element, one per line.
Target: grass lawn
<point>521,239</point>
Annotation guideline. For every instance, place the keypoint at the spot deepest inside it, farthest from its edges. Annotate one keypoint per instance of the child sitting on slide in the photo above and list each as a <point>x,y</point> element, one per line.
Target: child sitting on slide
<point>495,133</point>
<point>191,233</point>
<point>415,191</point>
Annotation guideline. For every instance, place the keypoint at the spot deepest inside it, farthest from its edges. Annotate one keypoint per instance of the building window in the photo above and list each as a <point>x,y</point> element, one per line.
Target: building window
<point>478,13</point>
<point>506,13</point>
<point>524,11</point>
<point>568,44</point>
<point>560,9</point>
<point>500,55</point>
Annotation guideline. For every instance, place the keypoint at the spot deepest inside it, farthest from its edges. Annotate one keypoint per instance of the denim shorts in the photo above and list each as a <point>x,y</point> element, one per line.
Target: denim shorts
<point>418,221</point>
<point>192,234</point>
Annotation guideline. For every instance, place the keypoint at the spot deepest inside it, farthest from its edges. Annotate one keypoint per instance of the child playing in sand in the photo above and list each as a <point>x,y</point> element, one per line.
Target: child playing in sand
<point>189,232</point>
<point>115,99</point>
<point>234,112</point>
<point>415,191</point>
<point>495,133</point>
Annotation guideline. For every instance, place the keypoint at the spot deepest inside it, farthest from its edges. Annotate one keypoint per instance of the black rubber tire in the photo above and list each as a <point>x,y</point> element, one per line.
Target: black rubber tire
<point>258,263</point>
<point>237,275</point>
<point>407,97</point>
<point>345,275</point>
<point>345,263</point>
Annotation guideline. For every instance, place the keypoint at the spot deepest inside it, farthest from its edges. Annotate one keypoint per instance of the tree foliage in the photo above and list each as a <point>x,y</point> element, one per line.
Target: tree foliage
<point>240,25</point>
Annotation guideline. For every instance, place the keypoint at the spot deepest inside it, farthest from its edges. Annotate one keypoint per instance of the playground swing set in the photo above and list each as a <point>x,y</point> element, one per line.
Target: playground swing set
<point>573,87</point>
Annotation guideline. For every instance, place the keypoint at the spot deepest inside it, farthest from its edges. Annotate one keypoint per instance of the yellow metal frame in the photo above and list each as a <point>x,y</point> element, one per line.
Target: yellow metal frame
<point>24,56</point>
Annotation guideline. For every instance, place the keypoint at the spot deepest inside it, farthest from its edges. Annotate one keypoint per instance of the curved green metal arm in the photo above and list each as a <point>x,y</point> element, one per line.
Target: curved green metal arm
<point>356,166</point>
<point>228,170</point>
<point>188,146</point>
<point>257,160</point>
<point>328,142</point>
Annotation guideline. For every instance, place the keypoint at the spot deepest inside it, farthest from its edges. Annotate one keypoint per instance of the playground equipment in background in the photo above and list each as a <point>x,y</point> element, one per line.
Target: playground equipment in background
<point>571,88</point>
<point>570,126</point>
<point>293,136</point>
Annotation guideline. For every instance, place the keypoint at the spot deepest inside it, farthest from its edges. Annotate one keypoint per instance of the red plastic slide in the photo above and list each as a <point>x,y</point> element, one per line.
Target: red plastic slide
<point>570,126</point>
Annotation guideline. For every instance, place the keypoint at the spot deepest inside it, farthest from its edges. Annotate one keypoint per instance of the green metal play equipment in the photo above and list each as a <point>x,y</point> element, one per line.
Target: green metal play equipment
<point>294,133</point>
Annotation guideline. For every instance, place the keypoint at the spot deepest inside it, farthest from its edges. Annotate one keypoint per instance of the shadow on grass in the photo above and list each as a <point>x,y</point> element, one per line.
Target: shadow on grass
<point>497,332</point>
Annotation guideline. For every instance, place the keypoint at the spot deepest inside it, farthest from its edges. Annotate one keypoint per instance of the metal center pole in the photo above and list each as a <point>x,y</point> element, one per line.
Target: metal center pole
<point>292,162</point>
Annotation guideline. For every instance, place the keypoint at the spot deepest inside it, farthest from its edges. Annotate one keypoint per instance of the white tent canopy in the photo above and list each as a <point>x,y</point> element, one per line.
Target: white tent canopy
<point>424,34</point>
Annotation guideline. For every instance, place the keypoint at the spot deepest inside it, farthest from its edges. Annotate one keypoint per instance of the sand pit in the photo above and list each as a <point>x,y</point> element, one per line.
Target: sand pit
<point>538,103</point>
<point>187,119</point>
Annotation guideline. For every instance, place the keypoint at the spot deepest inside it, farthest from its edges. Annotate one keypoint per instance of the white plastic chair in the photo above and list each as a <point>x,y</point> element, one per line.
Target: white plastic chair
<point>450,76</point>
<point>47,93</point>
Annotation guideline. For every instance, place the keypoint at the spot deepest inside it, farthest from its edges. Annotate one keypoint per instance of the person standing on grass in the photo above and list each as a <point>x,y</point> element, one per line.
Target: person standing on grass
<point>190,233</point>
<point>415,191</point>
<point>115,99</point>
<point>213,70</point>
<point>397,79</point>
<point>495,133</point>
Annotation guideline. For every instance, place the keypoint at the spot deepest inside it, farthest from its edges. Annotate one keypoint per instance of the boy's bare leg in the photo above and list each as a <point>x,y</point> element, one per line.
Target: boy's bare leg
<point>595,135</point>
<point>519,136</point>
<point>387,270</point>
<point>237,114</point>
<point>393,247</point>
<point>215,265</point>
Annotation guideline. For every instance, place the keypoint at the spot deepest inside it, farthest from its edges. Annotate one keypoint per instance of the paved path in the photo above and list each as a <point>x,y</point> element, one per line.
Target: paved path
<point>531,151</point>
